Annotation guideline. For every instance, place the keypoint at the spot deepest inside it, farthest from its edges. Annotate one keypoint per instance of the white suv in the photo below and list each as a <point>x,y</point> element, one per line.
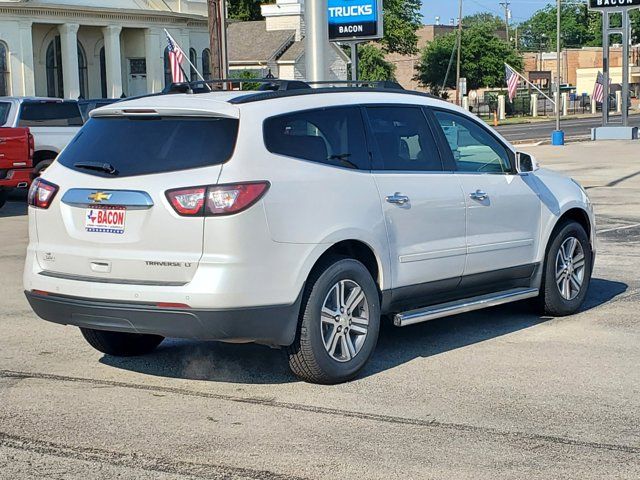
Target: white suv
<point>296,219</point>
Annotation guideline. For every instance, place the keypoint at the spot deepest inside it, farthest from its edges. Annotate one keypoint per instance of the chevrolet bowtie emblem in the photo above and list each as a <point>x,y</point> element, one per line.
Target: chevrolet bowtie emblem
<point>99,196</point>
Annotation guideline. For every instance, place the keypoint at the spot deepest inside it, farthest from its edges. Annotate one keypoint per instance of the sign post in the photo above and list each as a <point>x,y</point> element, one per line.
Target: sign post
<point>353,22</point>
<point>615,130</point>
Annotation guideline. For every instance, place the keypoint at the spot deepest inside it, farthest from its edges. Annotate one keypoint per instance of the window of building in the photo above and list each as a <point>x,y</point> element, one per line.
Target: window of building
<point>103,74</point>
<point>404,139</point>
<point>193,58</point>
<point>206,64</point>
<point>168,77</point>
<point>55,81</point>
<point>4,69</point>
<point>474,149</point>
<point>333,136</point>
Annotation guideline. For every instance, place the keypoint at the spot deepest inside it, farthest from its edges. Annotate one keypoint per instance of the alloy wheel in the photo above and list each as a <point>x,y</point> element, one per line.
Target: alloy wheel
<point>570,268</point>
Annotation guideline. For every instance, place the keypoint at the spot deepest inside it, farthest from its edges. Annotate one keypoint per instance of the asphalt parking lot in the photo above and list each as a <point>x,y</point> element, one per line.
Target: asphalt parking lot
<point>500,393</point>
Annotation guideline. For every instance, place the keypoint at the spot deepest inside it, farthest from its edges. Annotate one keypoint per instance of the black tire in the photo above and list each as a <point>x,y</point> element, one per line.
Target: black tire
<point>41,167</point>
<point>3,197</point>
<point>551,302</point>
<point>308,357</point>
<point>120,344</point>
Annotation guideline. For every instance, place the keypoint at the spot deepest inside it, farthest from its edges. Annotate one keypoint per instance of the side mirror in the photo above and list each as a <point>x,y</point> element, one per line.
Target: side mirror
<point>526,163</point>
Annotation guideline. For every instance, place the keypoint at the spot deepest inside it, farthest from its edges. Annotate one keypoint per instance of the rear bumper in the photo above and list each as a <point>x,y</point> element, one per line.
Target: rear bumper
<point>271,325</point>
<point>16,177</point>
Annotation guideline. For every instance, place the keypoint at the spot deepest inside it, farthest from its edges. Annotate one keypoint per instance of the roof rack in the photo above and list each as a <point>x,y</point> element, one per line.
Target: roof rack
<point>386,84</point>
<point>205,86</point>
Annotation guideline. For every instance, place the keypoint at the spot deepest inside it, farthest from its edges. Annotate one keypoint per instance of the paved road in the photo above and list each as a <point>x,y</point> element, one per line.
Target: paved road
<point>574,129</point>
<point>500,394</point>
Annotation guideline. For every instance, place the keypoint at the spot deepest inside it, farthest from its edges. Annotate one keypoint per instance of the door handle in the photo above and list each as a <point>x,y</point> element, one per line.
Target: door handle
<point>479,195</point>
<point>397,199</point>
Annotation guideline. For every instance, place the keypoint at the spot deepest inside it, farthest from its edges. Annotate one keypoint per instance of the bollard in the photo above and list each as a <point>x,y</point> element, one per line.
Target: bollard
<point>594,106</point>
<point>502,107</point>
<point>619,101</point>
<point>534,105</point>
<point>565,104</point>
<point>495,119</point>
<point>465,103</point>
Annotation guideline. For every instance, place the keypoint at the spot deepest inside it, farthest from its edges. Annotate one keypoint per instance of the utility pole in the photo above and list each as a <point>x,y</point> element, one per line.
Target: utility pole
<point>506,4</point>
<point>557,137</point>
<point>215,10</point>
<point>316,40</point>
<point>459,48</point>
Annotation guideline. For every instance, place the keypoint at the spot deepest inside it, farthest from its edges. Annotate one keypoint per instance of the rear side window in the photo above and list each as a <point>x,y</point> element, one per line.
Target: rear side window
<point>404,139</point>
<point>50,114</point>
<point>332,136</point>
<point>143,146</point>
<point>4,112</point>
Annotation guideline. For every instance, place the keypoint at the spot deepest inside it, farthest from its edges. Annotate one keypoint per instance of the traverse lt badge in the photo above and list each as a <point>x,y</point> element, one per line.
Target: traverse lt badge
<point>98,197</point>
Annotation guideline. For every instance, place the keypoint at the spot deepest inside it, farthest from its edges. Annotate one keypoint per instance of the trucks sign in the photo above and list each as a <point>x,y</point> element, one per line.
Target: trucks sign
<point>613,4</point>
<point>355,19</point>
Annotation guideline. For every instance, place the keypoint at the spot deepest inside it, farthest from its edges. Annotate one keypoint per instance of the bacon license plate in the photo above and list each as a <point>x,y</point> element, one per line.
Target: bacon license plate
<point>105,219</point>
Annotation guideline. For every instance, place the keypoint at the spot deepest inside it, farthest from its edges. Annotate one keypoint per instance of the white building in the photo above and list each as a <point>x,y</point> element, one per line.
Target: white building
<point>107,48</point>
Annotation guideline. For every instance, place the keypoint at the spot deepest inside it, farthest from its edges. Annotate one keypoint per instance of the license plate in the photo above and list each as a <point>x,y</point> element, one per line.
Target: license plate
<point>105,219</point>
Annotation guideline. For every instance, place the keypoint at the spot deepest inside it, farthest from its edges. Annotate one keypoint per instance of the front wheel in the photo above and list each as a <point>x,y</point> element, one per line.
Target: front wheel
<point>121,344</point>
<point>339,323</point>
<point>567,271</point>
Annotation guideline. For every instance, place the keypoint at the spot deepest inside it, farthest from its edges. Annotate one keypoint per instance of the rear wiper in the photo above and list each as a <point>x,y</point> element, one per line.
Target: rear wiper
<point>101,167</point>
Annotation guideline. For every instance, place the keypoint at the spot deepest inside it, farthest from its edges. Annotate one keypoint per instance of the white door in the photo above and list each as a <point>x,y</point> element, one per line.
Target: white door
<point>503,210</point>
<point>423,205</point>
<point>137,77</point>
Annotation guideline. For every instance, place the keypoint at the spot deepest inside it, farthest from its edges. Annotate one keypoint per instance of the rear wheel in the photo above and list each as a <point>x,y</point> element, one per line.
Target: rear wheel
<point>41,167</point>
<point>339,323</point>
<point>567,271</point>
<point>121,344</point>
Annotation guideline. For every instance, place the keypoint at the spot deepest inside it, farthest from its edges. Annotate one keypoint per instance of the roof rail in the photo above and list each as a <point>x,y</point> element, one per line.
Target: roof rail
<point>359,83</point>
<point>205,86</point>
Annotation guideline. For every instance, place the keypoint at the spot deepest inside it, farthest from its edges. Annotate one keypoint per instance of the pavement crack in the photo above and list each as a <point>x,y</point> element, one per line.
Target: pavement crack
<point>137,460</point>
<point>510,435</point>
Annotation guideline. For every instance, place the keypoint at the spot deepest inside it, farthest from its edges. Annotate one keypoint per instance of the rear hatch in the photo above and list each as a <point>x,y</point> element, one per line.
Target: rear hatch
<point>16,148</point>
<point>111,220</point>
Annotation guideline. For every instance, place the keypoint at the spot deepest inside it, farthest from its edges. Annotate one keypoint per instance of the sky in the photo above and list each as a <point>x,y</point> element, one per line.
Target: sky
<point>446,9</point>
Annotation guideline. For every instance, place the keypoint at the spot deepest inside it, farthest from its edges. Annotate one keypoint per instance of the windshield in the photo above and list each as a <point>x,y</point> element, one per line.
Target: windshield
<point>142,146</point>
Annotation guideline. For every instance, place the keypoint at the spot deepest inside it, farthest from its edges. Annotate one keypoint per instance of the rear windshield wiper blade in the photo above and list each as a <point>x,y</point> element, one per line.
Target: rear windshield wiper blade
<point>101,167</point>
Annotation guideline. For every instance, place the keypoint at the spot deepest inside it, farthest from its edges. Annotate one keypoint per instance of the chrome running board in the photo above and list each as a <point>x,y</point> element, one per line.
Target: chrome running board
<point>461,306</point>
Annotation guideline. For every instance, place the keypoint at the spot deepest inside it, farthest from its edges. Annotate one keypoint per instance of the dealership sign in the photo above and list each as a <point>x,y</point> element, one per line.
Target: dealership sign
<point>613,4</point>
<point>354,19</point>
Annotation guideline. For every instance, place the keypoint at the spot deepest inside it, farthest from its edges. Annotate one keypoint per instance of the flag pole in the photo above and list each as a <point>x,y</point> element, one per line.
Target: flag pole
<point>529,83</point>
<point>186,56</point>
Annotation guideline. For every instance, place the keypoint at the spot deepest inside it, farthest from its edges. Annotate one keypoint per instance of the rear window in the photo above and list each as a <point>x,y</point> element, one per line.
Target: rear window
<point>50,114</point>
<point>142,146</point>
<point>4,112</point>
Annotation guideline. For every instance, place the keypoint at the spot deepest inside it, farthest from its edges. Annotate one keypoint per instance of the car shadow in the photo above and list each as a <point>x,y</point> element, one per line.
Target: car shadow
<point>255,364</point>
<point>13,208</point>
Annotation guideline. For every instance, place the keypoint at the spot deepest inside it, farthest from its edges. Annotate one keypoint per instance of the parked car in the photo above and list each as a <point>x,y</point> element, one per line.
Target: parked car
<point>296,219</point>
<point>53,123</point>
<point>16,159</point>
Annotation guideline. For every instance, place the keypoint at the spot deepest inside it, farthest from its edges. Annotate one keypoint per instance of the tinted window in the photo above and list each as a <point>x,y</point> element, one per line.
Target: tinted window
<point>474,149</point>
<point>404,139</point>
<point>152,145</point>
<point>4,112</point>
<point>334,136</point>
<point>50,114</point>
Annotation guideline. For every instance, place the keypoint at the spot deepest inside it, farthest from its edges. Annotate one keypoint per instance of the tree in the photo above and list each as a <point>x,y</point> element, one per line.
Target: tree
<point>402,18</point>
<point>244,10</point>
<point>482,60</point>
<point>579,27</point>
<point>372,65</point>
<point>485,18</point>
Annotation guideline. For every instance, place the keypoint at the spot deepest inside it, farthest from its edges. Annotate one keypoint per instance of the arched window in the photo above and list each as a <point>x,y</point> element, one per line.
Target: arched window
<point>206,64</point>
<point>55,81</point>
<point>82,72</point>
<point>4,70</point>
<point>103,74</point>
<point>193,58</point>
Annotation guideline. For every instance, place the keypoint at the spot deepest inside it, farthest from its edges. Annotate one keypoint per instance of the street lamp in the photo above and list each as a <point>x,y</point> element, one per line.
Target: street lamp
<point>557,137</point>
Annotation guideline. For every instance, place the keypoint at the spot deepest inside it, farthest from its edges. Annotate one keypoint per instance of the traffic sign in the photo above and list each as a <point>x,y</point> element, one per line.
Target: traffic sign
<point>354,20</point>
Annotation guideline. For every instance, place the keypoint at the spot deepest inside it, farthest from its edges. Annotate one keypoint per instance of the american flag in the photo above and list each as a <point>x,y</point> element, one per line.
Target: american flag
<point>598,89</point>
<point>512,81</point>
<point>175,59</point>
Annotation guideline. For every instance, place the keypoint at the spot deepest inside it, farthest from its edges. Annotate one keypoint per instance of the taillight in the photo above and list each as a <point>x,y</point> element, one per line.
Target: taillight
<point>41,193</point>
<point>32,146</point>
<point>216,200</point>
<point>187,201</point>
